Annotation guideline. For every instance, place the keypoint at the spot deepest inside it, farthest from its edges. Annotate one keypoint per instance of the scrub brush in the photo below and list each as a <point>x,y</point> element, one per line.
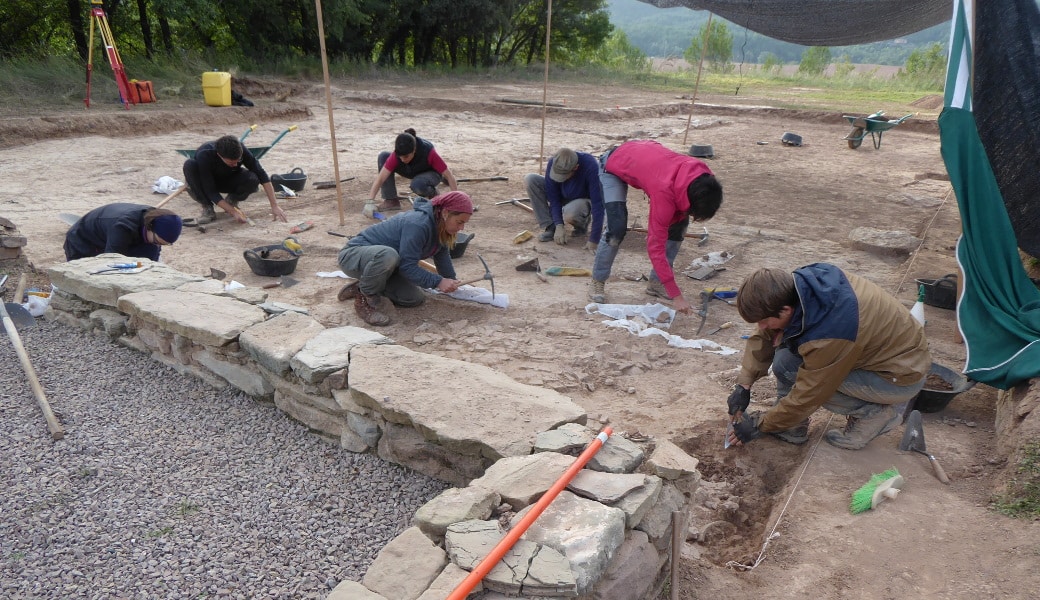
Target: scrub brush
<point>881,486</point>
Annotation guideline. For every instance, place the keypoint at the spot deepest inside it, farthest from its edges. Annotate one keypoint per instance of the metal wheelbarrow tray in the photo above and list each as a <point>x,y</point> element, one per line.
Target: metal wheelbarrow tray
<point>874,125</point>
<point>257,151</point>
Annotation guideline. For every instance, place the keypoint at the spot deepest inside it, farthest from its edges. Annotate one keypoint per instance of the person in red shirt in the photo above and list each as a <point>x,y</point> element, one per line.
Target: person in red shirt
<point>413,158</point>
<point>679,188</point>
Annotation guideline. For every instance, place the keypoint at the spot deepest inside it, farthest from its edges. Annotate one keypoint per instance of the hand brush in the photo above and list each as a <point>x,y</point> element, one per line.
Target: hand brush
<point>881,486</point>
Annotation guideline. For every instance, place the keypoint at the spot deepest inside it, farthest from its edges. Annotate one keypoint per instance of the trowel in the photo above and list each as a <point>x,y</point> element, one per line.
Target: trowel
<point>913,441</point>
<point>284,281</point>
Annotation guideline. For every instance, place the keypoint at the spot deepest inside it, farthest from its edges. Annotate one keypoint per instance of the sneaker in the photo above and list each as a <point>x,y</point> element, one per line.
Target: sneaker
<point>548,234</point>
<point>348,292</point>
<point>656,288</point>
<point>208,215</point>
<point>797,435</point>
<point>391,204</point>
<point>597,293</point>
<point>859,431</point>
<point>368,308</point>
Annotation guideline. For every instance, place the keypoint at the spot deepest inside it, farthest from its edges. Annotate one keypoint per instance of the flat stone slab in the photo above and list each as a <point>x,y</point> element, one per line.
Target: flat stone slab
<point>467,408</point>
<point>75,278</point>
<point>275,341</point>
<point>329,351</point>
<point>203,318</point>
<point>882,242</point>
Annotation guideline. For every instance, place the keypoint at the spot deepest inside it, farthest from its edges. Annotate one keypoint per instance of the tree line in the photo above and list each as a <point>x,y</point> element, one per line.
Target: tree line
<point>454,33</point>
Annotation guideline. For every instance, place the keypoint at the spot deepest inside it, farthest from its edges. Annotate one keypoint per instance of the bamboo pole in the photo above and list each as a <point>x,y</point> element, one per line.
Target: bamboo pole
<point>328,103</point>
<point>697,85</point>
<point>545,84</point>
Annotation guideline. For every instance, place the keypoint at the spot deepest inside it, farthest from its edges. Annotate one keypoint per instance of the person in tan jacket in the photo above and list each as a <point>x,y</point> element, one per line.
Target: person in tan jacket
<point>834,340</point>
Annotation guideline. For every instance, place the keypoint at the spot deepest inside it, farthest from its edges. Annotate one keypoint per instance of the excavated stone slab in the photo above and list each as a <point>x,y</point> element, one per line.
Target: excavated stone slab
<point>203,318</point>
<point>405,567</point>
<point>467,408</point>
<point>633,571</point>
<point>521,480</point>
<point>669,461</point>
<point>618,455</point>
<point>446,582</point>
<point>275,341</point>
<point>352,590</point>
<point>329,351</point>
<point>75,278</point>
<point>607,488</point>
<point>454,505</point>
<point>882,242</point>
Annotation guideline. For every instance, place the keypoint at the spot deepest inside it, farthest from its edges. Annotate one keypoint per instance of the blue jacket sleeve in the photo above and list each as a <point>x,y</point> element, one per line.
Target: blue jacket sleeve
<point>414,244</point>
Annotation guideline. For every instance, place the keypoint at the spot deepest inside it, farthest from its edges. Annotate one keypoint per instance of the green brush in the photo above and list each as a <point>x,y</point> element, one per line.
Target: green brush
<point>881,486</point>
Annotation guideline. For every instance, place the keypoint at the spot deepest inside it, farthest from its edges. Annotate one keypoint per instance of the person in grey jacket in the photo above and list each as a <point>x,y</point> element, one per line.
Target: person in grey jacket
<point>384,258</point>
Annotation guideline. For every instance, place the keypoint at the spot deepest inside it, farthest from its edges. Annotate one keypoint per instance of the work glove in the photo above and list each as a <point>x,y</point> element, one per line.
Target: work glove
<point>739,400</point>
<point>369,210</point>
<point>560,236</point>
<point>591,246</point>
<point>746,429</point>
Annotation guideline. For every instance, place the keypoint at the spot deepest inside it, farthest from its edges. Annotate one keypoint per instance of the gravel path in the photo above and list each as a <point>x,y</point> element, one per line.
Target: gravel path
<point>165,488</point>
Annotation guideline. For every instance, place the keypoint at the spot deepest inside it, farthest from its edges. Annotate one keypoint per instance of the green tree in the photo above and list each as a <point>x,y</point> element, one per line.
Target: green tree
<point>815,60</point>
<point>770,62</point>
<point>927,67</point>
<point>616,53</point>
<point>719,49</point>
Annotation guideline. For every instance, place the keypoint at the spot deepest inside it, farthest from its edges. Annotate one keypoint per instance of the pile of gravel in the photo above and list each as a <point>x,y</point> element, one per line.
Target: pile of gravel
<point>165,488</point>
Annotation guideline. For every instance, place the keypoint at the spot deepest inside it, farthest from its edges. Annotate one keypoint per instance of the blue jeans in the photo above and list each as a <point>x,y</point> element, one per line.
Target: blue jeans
<point>861,394</point>
<point>615,195</point>
<point>424,184</point>
<point>375,268</point>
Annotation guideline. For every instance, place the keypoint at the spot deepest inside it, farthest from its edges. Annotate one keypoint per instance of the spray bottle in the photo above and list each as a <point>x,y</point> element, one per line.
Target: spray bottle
<point>917,311</point>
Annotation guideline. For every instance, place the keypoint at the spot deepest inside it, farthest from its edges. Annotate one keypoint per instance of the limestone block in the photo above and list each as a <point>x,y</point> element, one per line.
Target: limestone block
<point>205,319</point>
<point>671,462</point>
<point>405,446</point>
<point>109,321</point>
<point>586,532</point>
<point>442,396</point>
<point>521,480</point>
<point>638,502</point>
<point>453,505</point>
<point>272,343</point>
<point>657,523</point>
<point>367,429</point>
<point>310,415</point>
<point>352,442</point>
<point>206,286</point>
<point>330,351</point>
<point>446,582</point>
<point>405,567</point>
<point>74,278</point>
<point>243,377</point>
<point>352,590</point>
<point>345,400</point>
<point>607,488</point>
<point>632,573</point>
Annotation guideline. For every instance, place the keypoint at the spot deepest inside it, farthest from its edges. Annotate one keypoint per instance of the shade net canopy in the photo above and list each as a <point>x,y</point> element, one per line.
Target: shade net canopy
<point>825,22</point>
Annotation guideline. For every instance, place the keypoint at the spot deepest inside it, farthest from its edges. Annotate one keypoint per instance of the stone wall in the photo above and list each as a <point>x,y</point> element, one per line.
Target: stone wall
<point>501,443</point>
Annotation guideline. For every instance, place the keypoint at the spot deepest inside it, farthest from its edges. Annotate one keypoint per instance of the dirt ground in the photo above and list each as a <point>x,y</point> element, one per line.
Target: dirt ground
<point>784,207</point>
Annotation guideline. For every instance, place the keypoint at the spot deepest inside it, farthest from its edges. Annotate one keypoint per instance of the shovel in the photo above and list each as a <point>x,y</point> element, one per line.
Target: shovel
<point>284,281</point>
<point>57,431</point>
<point>913,440</point>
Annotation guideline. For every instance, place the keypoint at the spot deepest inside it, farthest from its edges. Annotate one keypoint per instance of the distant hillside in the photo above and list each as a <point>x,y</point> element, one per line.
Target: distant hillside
<point>664,32</point>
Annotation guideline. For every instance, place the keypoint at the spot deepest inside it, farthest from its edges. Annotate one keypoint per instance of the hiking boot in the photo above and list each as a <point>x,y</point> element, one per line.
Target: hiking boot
<point>548,234</point>
<point>348,292</point>
<point>860,430</point>
<point>597,293</point>
<point>391,204</point>
<point>208,215</point>
<point>656,288</point>
<point>368,308</point>
<point>797,435</point>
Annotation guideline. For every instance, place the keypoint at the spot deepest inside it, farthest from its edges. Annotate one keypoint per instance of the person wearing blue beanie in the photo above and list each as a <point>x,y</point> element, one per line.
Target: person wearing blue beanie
<point>135,230</point>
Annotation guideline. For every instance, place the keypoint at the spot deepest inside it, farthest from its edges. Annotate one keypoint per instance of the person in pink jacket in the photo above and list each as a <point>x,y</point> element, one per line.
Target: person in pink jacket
<point>679,187</point>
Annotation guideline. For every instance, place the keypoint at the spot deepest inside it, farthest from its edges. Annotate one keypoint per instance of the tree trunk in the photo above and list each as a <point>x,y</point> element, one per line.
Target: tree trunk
<point>146,28</point>
<point>79,28</point>
<point>164,29</point>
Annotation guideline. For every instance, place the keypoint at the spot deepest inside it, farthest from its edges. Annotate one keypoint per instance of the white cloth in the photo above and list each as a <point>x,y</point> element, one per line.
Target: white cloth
<point>644,322</point>
<point>166,185</point>
<point>469,293</point>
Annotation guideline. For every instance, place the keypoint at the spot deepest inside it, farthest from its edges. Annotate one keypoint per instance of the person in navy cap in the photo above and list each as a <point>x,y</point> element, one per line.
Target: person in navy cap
<point>136,230</point>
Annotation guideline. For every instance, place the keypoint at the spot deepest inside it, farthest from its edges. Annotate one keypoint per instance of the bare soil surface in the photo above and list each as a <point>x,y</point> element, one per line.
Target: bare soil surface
<point>784,207</point>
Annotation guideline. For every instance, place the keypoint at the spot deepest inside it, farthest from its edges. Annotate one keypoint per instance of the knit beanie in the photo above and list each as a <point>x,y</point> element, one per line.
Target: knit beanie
<point>454,201</point>
<point>168,227</point>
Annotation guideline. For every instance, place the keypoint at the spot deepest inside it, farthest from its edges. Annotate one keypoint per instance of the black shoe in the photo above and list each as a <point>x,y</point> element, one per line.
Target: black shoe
<point>548,234</point>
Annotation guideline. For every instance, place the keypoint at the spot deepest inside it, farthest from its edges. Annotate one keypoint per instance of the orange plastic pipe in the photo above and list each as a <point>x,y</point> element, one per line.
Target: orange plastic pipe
<point>481,570</point>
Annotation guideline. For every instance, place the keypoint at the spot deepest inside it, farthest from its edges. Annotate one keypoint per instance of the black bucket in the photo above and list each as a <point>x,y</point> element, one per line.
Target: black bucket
<point>942,292</point>
<point>295,180</point>
<point>461,242</point>
<point>930,400</point>
<point>271,261</point>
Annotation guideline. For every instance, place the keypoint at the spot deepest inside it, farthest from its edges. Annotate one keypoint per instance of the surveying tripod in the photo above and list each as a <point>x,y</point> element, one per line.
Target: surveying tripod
<point>97,16</point>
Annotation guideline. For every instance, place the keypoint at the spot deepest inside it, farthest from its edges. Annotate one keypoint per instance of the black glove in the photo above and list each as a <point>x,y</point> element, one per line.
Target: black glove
<point>746,429</point>
<point>739,400</point>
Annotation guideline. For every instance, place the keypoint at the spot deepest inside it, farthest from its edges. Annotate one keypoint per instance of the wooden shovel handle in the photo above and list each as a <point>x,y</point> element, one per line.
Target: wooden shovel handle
<point>57,431</point>
<point>172,195</point>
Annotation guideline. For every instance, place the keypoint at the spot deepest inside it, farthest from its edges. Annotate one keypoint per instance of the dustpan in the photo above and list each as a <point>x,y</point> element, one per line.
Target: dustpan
<point>530,265</point>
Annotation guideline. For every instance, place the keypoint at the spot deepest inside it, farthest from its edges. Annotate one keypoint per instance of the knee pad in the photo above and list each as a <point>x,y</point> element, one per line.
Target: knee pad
<point>617,222</point>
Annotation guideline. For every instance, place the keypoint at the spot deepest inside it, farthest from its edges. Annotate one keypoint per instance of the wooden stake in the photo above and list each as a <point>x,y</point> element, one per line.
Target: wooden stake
<point>700,65</point>
<point>328,103</point>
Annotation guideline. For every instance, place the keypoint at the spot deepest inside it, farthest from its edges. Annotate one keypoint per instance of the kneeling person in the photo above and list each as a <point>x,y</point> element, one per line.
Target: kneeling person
<point>834,340</point>
<point>384,258</point>
<point>227,167</point>
<point>569,193</point>
<point>135,230</point>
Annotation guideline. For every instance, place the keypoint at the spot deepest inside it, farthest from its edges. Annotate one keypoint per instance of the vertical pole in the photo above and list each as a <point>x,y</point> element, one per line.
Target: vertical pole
<point>328,103</point>
<point>545,85</point>
<point>677,540</point>
<point>90,58</point>
<point>700,65</point>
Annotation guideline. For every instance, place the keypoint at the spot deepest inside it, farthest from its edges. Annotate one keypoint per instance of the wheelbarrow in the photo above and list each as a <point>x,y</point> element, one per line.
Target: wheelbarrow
<point>257,151</point>
<point>875,125</point>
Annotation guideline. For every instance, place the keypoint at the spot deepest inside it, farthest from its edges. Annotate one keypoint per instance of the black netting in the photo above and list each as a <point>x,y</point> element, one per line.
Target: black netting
<point>1006,96</point>
<point>826,22</point>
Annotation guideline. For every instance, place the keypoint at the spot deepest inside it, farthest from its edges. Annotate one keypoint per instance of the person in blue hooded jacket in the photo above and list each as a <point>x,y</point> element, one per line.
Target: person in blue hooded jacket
<point>136,230</point>
<point>384,258</point>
